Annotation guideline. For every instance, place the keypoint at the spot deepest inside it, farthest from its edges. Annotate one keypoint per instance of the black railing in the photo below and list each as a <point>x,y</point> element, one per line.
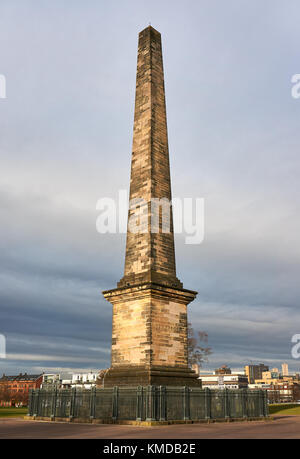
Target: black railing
<point>151,403</point>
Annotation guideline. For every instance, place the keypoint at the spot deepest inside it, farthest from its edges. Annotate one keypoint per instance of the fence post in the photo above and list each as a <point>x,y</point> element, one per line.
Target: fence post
<point>37,400</point>
<point>162,403</point>
<point>244,403</point>
<point>139,403</point>
<point>265,402</point>
<point>207,403</point>
<point>151,399</point>
<point>30,403</point>
<point>115,407</point>
<point>53,407</point>
<point>260,403</point>
<point>186,403</point>
<point>226,404</point>
<point>92,402</point>
<point>73,401</point>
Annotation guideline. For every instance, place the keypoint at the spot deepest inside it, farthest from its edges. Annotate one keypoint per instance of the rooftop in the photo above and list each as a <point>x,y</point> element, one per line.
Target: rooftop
<point>20,377</point>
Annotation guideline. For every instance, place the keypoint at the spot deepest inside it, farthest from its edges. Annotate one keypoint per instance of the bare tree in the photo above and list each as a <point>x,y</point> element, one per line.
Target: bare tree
<point>5,393</point>
<point>21,398</point>
<point>197,353</point>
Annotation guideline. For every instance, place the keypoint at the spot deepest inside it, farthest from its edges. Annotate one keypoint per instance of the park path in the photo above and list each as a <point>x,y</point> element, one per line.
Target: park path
<point>280,427</point>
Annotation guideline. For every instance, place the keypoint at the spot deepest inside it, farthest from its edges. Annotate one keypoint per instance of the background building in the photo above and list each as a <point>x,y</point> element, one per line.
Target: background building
<point>69,380</point>
<point>84,380</point>
<point>223,370</point>
<point>283,392</point>
<point>281,387</point>
<point>254,372</point>
<point>14,389</point>
<point>58,380</point>
<point>222,381</point>
<point>285,369</point>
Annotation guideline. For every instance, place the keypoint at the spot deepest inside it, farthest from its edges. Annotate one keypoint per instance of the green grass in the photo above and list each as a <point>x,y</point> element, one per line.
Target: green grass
<point>12,412</point>
<point>285,409</point>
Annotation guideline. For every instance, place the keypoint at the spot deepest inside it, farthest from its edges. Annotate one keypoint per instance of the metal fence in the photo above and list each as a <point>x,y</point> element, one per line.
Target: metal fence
<point>151,403</point>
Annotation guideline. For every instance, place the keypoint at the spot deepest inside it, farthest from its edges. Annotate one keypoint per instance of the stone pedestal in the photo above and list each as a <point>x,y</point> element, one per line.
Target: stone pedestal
<point>149,336</point>
<point>134,376</point>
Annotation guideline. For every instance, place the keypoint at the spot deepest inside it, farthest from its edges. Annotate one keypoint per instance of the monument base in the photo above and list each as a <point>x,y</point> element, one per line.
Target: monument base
<point>149,336</point>
<point>154,376</point>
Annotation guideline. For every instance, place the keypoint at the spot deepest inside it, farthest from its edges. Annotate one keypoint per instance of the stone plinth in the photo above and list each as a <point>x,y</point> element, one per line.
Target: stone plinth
<point>149,336</point>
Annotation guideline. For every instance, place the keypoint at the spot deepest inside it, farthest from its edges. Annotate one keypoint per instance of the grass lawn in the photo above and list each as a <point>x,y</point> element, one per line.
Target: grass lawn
<point>284,409</point>
<point>12,412</point>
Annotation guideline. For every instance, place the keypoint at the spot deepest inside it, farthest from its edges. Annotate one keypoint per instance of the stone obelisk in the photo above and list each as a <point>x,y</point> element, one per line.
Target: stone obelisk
<point>149,332</point>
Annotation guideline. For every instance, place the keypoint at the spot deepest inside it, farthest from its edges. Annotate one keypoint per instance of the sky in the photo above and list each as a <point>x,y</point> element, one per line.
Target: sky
<point>66,135</point>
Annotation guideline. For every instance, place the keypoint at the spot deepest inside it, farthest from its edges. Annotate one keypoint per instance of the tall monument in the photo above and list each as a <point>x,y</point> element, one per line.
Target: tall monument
<point>149,330</point>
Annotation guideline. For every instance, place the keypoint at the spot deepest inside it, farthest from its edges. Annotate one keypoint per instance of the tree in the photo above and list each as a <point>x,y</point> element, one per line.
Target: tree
<point>21,398</point>
<point>5,393</point>
<point>197,353</point>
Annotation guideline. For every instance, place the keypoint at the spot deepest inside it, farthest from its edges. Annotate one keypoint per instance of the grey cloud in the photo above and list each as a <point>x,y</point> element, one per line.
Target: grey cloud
<point>65,141</point>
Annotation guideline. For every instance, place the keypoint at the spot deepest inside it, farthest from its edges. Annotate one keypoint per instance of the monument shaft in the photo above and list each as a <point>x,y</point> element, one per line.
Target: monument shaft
<point>150,255</point>
<point>149,335</point>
